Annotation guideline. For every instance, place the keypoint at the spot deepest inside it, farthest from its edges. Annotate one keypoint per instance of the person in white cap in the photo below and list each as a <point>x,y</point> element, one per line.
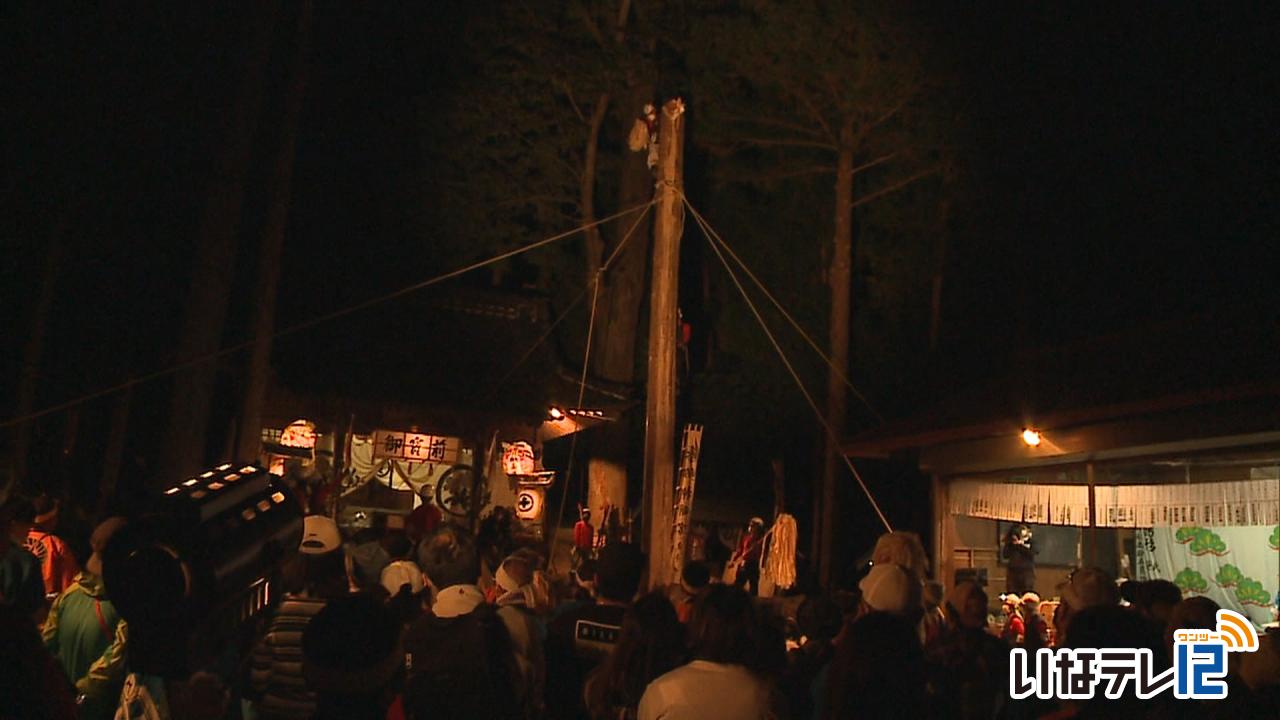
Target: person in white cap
<point>891,588</point>
<point>279,688</point>
<point>402,571</point>
<point>320,535</point>
<point>516,603</point>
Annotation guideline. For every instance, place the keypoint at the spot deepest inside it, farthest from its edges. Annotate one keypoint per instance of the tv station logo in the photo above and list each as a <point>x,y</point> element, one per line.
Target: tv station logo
<point>1198,672</point>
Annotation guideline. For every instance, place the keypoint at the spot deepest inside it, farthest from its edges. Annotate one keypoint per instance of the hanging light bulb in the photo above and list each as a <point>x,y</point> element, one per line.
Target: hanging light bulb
<point>1031,437</point>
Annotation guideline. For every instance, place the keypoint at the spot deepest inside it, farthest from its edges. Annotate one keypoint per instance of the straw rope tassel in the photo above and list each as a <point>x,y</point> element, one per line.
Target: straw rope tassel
<point>780,563</point>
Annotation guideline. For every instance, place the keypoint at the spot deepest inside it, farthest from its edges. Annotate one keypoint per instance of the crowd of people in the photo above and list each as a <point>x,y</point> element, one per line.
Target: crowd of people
<point>66,640</point>
<point>426,620</point>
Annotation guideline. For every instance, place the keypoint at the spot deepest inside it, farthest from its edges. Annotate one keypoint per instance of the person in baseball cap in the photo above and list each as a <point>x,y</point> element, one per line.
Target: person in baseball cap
<point>276,676</point>
<point>401,571</point>
<point>320,535</point>
<point>891,588</point>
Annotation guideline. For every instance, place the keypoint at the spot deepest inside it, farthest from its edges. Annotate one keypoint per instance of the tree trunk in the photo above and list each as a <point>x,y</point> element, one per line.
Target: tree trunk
<point>606,485</point>
<point>840,279</point>
<point>66,458</point>
<point>215,260</point>
<point>587,188</point>
<point>33,350</point>
<point>117,433</point>
<point>939,268</point>
<point>625,281</point>
<point>622,291</point>
<point>249,444</point>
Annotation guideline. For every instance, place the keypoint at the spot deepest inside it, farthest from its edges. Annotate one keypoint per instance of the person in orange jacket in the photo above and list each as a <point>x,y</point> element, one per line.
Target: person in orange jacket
<point>57,563</point>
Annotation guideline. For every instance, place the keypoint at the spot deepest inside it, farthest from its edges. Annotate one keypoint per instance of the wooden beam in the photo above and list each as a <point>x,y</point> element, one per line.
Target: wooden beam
<point>943,563</point>
<point>1190,430</point>
<point>884,442</point>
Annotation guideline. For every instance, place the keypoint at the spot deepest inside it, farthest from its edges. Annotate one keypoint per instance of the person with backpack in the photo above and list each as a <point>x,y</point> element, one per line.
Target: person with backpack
<point>517,600</point>
<point>578,641</point>
<point>86,634</point>
<point>459,657</point>
<point>651,643</point>
<point>277,686</point>
<point>352,657</point>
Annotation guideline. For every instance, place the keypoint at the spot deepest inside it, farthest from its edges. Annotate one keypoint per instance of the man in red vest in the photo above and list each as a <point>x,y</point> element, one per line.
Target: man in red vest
<point>584,536</point>
<point>424,519</point>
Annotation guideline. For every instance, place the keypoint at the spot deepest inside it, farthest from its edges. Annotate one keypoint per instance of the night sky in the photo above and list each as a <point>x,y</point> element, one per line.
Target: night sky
<point>1120,163</point>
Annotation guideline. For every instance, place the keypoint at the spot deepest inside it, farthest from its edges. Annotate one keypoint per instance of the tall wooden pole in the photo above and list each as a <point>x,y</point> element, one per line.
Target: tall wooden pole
<point>840,279</point>
<point>660,403</point>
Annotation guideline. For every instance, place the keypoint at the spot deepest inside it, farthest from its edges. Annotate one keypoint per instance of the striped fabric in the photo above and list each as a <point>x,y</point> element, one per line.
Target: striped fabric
<point>276,674</point>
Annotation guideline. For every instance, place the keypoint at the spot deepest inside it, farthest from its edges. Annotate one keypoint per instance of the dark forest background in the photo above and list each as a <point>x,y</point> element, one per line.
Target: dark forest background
<point>1062,172</point>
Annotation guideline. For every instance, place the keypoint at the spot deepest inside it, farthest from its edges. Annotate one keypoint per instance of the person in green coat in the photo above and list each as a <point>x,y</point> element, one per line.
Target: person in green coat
<point>86,634</point>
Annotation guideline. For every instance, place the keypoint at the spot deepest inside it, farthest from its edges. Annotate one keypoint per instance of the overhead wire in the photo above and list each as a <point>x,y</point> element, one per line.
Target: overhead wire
<point>565,312</point>
<point>793,322</point>
<point>582,382</point>
<point>831,436</point>
<point>327,317</point>
<point>536,343</point>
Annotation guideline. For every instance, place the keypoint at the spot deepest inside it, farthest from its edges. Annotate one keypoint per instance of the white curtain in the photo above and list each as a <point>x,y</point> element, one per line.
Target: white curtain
<point>1236,567</point>
<point>1220,504</point>
<point>1224,504</point>
<point>1041,504</point>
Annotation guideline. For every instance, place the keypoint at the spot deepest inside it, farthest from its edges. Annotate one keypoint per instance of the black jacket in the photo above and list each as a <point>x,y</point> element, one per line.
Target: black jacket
<point>460,667</point>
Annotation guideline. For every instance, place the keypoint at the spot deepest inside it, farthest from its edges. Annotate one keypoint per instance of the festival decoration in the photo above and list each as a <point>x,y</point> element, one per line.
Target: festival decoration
<point>690,450</point>
<point>1202,541</point>
<point>517,458</point>
<point>1228,575</point>
<point>780,563</point>
<point>416,447</point>
<point>529,501</point>
<point>1242,580</point>
<point>1251,592</point>
<point>1190,582</point>
<point>1215,504</point>
<point>299,434</point>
